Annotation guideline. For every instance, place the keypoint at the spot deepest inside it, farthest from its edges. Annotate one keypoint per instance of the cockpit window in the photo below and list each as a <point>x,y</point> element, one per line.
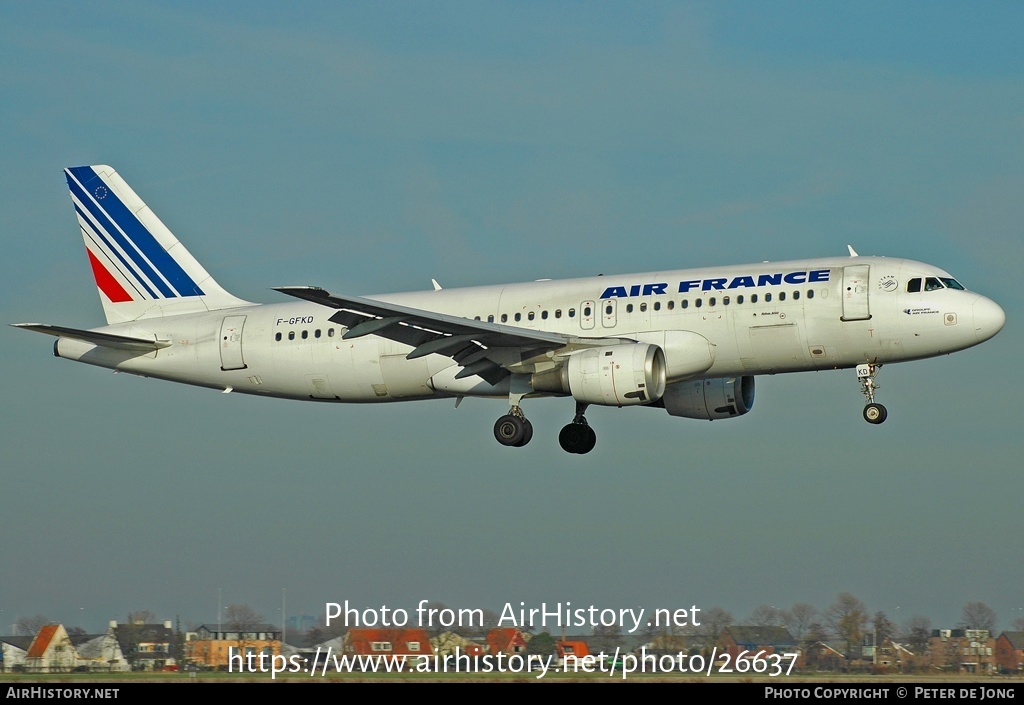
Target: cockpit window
<point>932,283</point>
<point>914,286</point>
<point>952,283</point>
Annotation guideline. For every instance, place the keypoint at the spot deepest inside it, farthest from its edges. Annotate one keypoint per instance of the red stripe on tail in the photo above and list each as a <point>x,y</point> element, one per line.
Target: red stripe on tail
<point>106,282</point>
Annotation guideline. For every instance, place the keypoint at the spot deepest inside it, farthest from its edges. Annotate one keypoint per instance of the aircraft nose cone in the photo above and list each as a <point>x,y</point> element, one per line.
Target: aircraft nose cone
<point>989,318</point>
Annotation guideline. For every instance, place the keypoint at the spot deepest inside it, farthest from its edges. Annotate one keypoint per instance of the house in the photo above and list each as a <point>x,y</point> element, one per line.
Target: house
<point>13,650</point>
<point>100,652</point>
<point>1010,652</point>
<point>753,640</point>
<point>506,640</point>
<point>446,644</point>
<point>51,651</point>
<point>214,645</point>
<point>891,655</point>
<point>826,656</point>
<point>388,644</point>
<point>572,649</point>
<point>963,650</point>
<point>146,647</point>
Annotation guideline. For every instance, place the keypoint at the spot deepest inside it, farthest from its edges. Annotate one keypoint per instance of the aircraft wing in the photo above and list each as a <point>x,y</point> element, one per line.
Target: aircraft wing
<point>481,348</point>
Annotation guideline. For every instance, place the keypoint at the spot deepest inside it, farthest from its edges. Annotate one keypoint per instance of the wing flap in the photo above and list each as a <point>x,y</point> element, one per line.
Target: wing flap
<point>475,345</point>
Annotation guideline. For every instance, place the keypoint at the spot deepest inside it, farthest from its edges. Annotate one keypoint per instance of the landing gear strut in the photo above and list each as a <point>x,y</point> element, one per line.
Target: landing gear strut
<point>873,413</point>
<point>578,437</point>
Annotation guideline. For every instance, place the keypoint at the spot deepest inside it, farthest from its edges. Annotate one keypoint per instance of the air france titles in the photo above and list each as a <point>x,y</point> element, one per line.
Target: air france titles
<point>802,276</point>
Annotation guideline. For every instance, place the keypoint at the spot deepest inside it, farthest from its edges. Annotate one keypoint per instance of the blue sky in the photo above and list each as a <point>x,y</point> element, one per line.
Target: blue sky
<point>370,147</point>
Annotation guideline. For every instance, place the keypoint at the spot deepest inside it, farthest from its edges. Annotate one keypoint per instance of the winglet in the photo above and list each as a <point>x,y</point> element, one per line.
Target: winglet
<point>437,287</point>
<point>853,253</point>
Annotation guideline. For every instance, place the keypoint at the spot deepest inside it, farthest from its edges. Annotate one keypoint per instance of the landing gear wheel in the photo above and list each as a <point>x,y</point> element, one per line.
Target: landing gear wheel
<point>875,413</point>
<point>512,430</point>
<point>527,433</point>
<point>577,438</point>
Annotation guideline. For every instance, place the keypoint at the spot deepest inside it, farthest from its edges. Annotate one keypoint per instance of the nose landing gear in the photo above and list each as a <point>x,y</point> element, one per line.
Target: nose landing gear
<point>866,373</point>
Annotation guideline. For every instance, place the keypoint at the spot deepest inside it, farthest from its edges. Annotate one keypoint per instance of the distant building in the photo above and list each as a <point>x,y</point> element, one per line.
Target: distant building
<point>963,650</point>
<point>1010,652</point>
<point>51,651</point>
<point>213,646</point>
<point>100,652</point>
<point>13,650</point>
<point>146,647</point>
<point>506,640</point>
<point>393,645</point>
<point>752,640</point>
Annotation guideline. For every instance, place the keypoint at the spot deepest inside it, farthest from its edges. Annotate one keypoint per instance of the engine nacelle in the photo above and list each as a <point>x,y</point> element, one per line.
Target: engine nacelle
<point>710,398</point>
<point>615,375</point>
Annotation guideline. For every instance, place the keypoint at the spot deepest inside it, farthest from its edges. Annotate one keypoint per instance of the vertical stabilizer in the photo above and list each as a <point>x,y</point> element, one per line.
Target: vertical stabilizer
<point>141,269</point>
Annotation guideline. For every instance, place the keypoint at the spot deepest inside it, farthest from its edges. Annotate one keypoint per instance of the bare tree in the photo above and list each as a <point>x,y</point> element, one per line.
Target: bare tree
<point>713,622</point>
<point>141,617</point>
<point>917,633</point>
<point>978,615</point>
<point>244,621</point>
<point>30,626</point>
<point>883,628</point>
<point>799,619</point>
<point>766,616</point>
<point>847,618</point>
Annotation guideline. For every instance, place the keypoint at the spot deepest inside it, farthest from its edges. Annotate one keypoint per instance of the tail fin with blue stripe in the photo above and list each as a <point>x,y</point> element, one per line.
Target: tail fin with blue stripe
<point>141,269</point>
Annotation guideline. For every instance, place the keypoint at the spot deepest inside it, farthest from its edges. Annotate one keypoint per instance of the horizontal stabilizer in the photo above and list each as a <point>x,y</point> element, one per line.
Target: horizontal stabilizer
<point>106,340</point>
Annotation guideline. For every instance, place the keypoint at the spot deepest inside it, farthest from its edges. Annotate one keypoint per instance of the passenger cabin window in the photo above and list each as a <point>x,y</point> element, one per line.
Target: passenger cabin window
<point>531,315</point>
<point>586,311</point>
<point>277,336</point>
<point>490,319</point>
<point>572,313</point>
<point>558,313</point>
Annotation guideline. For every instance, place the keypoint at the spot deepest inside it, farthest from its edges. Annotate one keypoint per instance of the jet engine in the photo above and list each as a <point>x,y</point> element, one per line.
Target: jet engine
<point>710,398</point>
<point>615,375</point>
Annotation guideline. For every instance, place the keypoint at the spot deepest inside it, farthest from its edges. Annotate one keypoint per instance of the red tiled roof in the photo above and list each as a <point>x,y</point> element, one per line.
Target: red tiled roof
<point>361,641</point>
<point>504,639</point>
<point>42,641</point>
<point>578,649</point>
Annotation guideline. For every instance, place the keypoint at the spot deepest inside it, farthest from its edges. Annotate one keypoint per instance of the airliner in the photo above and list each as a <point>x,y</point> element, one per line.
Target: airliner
<point>687,341</point>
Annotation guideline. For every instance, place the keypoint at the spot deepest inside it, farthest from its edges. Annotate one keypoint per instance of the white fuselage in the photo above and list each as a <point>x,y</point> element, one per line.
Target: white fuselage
<point>759,318</point>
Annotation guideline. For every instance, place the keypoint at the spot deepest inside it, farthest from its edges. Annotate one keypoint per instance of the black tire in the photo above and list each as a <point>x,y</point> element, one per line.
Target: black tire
<point>589,442</point>
<point>527,433</point>
<point>875,413</point>
<point>578,438</point>
<point>509,430</point>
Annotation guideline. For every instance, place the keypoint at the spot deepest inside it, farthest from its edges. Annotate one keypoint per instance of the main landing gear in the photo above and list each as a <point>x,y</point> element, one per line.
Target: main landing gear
<point>873,413</point>
<point>578,437</point>
<point>514,430</point>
